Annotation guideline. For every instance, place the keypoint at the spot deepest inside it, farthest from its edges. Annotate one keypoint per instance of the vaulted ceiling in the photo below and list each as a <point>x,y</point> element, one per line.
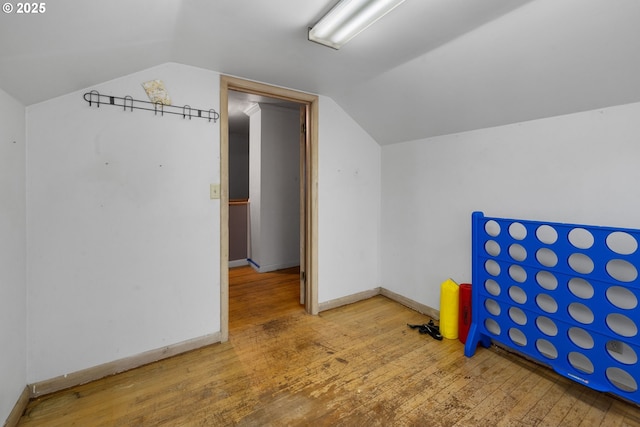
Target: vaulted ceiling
<point>430,67</point>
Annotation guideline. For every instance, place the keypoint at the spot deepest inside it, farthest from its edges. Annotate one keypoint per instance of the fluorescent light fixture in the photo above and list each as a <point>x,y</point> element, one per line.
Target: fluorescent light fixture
<point>347,19</point>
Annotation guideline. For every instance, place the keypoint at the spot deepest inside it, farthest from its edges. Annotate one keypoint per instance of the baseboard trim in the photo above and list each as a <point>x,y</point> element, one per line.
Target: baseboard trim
<point>407,302</point>
<point>18,409</point>
<point>111,368</point>
<point>238,263</point>
<point>274,267</point>
<point>349,299</point>
<point>414,305</point>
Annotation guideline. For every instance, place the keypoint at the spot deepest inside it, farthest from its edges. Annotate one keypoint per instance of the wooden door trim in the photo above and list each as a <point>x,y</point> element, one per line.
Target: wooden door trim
<point>311,259</point>
<point>303,144</point>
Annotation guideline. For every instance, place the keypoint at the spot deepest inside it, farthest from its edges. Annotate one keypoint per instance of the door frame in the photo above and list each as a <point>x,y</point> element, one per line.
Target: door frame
<point>310,261</point>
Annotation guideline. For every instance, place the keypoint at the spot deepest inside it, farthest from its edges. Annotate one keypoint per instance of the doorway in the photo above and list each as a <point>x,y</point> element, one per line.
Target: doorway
<point>308,194</point>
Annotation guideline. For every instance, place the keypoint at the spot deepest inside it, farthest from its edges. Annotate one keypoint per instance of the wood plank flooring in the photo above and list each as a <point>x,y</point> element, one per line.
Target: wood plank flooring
<point>357,365</point>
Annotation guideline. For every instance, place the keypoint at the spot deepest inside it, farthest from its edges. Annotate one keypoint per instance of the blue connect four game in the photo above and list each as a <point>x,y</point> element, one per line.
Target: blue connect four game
<point>565,295</point>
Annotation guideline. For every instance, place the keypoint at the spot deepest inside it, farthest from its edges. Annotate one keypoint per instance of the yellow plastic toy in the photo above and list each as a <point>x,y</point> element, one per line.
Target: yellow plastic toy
<point>449,306</point>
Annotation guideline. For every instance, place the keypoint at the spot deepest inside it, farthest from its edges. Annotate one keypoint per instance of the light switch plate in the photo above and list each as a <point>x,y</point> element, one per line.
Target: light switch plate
<point>214,191</point>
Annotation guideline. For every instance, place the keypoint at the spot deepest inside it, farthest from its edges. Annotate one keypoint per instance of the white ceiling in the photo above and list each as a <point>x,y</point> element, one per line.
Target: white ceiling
<point>431,67</point>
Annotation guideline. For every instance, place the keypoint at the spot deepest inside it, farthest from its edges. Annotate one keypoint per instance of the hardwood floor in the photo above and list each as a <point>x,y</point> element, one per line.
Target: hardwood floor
<point>357,365</point>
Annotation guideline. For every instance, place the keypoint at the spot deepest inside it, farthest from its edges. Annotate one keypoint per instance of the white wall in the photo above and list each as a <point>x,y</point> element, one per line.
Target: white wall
<point>255,181</point>
<point>578,168</point>
<point>275,187</point>
<point>123,241</point>
<point>280,204</point>
<point>349,205</point>
<point>13,293</point>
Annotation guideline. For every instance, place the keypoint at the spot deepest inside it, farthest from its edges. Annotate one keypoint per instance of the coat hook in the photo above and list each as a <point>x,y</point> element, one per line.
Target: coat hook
<point>128,102</point>
<point>124,102</point>
<point>155,107</point>
<point>97,94</point>
<point>185,109</point>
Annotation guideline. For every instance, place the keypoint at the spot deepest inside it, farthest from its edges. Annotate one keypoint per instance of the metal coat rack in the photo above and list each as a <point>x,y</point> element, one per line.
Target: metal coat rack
<point>128,103</point>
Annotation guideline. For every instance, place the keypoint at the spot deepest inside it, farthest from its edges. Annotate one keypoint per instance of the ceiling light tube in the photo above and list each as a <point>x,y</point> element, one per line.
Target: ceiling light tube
<point>347,19</point>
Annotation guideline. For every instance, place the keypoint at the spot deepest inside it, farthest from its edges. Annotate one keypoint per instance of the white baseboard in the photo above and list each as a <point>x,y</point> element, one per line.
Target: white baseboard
<point>280,266</point>
<point>238,263</point>
<point>95,373</point>
<point>18,409</point>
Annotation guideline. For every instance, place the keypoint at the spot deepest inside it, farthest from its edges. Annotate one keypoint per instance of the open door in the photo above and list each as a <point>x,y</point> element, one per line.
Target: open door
<point>308,190</point>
